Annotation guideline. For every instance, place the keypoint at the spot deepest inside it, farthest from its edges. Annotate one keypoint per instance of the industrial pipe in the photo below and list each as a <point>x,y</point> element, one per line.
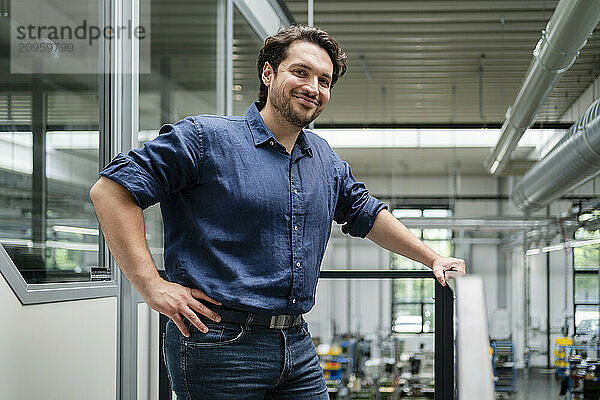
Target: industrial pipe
<point>573,161</point>
<point>565,35</point>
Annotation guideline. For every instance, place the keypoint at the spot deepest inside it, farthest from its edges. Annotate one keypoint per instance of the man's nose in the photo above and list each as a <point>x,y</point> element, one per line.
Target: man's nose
<point>312,87</point>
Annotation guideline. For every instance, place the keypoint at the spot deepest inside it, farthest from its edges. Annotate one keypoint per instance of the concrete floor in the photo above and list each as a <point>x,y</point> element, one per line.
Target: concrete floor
<point>538,384</point>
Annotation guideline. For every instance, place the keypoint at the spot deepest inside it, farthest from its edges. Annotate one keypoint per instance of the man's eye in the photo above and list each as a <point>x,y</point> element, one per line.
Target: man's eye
<point>325,82</point>
<point>299,72</point>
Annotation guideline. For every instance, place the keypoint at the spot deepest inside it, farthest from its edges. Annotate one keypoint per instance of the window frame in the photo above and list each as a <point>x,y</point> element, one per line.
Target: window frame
<point>39,293</point>
<point>583,271</point>
<point>423,301</point>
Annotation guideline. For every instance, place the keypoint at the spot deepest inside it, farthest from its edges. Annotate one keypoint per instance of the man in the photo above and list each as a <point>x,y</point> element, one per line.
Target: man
<point>247,205</point>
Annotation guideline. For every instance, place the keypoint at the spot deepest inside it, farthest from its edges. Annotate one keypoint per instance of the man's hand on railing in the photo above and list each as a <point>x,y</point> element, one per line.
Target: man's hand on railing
<point>441,265</point>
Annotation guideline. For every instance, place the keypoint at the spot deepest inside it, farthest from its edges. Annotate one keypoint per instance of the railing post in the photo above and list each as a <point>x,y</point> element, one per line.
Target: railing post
<point>444,342</point>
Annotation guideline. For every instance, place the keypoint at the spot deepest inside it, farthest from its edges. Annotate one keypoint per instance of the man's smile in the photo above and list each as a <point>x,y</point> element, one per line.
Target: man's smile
<point>307,100</point>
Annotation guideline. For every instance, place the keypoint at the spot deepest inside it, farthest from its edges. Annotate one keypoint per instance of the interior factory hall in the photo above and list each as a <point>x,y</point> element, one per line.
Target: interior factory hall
<point>388,199</point>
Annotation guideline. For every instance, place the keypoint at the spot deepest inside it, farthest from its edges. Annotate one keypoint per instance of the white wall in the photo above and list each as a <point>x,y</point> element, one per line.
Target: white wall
<point>59,351</point>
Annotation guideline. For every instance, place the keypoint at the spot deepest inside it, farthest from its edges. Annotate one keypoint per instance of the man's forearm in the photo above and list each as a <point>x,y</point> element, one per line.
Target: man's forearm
<point>392,235</point>
<point>122,222</point>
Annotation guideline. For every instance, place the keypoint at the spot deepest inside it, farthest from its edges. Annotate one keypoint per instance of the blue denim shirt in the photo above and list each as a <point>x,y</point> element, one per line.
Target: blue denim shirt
<point>244,221</point>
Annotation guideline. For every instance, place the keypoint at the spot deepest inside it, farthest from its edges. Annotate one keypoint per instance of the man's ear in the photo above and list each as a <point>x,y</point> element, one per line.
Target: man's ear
<point>267,74</point>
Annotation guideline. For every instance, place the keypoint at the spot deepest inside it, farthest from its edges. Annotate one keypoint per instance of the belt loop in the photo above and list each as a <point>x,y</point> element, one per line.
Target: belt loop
<point>249,320</point>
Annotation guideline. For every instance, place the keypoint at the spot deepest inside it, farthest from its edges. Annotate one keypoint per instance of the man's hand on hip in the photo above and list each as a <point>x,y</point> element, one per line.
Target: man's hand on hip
<point>443,264</point>
<point>178,302</point>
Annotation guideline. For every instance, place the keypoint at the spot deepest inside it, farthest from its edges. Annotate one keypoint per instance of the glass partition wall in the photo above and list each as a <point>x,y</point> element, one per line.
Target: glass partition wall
<point>50,126</point>
<point>53,139</point>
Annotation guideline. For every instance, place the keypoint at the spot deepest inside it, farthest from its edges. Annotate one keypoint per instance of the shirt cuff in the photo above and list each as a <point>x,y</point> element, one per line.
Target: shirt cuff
<point>132,177</point>
<point>363,223</point>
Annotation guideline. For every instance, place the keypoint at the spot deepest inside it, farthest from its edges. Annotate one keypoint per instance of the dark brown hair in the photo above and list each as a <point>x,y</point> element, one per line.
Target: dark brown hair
<point>275,50</point>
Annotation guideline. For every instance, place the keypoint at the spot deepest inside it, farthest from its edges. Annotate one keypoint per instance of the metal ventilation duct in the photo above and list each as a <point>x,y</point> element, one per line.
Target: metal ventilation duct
<point>569,164</point>
<point>566,33</point>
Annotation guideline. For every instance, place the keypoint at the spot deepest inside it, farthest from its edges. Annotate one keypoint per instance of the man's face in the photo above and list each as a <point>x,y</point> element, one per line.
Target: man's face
<point>301,88</point>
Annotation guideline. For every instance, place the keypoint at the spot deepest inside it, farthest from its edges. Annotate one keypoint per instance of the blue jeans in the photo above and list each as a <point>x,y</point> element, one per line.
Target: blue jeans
<point>238,362</point>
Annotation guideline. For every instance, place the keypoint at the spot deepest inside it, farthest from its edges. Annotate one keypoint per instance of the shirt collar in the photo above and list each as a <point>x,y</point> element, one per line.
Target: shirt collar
<point>260,132</point>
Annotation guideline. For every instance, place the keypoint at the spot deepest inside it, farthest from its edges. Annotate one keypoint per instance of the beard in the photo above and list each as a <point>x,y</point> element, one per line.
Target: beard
<point>282,104</point>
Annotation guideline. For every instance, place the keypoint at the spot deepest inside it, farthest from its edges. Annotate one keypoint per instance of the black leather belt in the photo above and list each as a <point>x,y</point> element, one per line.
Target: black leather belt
<point>282,321</point>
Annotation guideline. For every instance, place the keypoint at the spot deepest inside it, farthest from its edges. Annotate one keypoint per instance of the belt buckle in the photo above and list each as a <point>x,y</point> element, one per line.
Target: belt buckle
<point>281,321</point>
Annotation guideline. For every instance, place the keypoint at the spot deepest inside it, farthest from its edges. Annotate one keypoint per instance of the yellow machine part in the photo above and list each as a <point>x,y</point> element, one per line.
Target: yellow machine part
<point>563,341</point>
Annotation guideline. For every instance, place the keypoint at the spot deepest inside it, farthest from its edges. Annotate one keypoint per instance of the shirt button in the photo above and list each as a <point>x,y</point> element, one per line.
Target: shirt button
<point>271,143</point>
<point>296,191</point>
<point>296,227</point>
<point>294,301</point>
<point>298,264</point>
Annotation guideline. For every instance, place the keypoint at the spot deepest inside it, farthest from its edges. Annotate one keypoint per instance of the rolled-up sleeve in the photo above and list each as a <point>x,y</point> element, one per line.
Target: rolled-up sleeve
<point>355,208</point>
<point>167,164</point>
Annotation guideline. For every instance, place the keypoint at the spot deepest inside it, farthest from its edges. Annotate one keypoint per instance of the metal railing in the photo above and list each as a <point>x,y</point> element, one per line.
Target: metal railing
<point>468,316</point>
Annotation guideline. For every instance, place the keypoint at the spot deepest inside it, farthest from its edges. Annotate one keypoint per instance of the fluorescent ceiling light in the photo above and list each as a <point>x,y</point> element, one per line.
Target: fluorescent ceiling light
<point>51,244</point>
<point>494,166</point>
<point>71,246</point>
<point>579,243</point>
<point>437,213</point>
<point>554,247</point>
<point>561,246</point>
<point>406,213</point>
<point>425,138</point>
<point>16,242</point>
<point>75,229</point>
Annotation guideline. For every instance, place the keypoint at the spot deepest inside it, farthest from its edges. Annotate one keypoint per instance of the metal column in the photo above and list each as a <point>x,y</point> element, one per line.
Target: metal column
<point>124,125</point>
<point>444,342</point>
<point>38,177</point>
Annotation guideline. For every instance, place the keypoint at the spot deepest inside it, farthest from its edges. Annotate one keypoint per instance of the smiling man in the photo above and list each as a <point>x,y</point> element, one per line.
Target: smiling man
<point>247,205</point>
